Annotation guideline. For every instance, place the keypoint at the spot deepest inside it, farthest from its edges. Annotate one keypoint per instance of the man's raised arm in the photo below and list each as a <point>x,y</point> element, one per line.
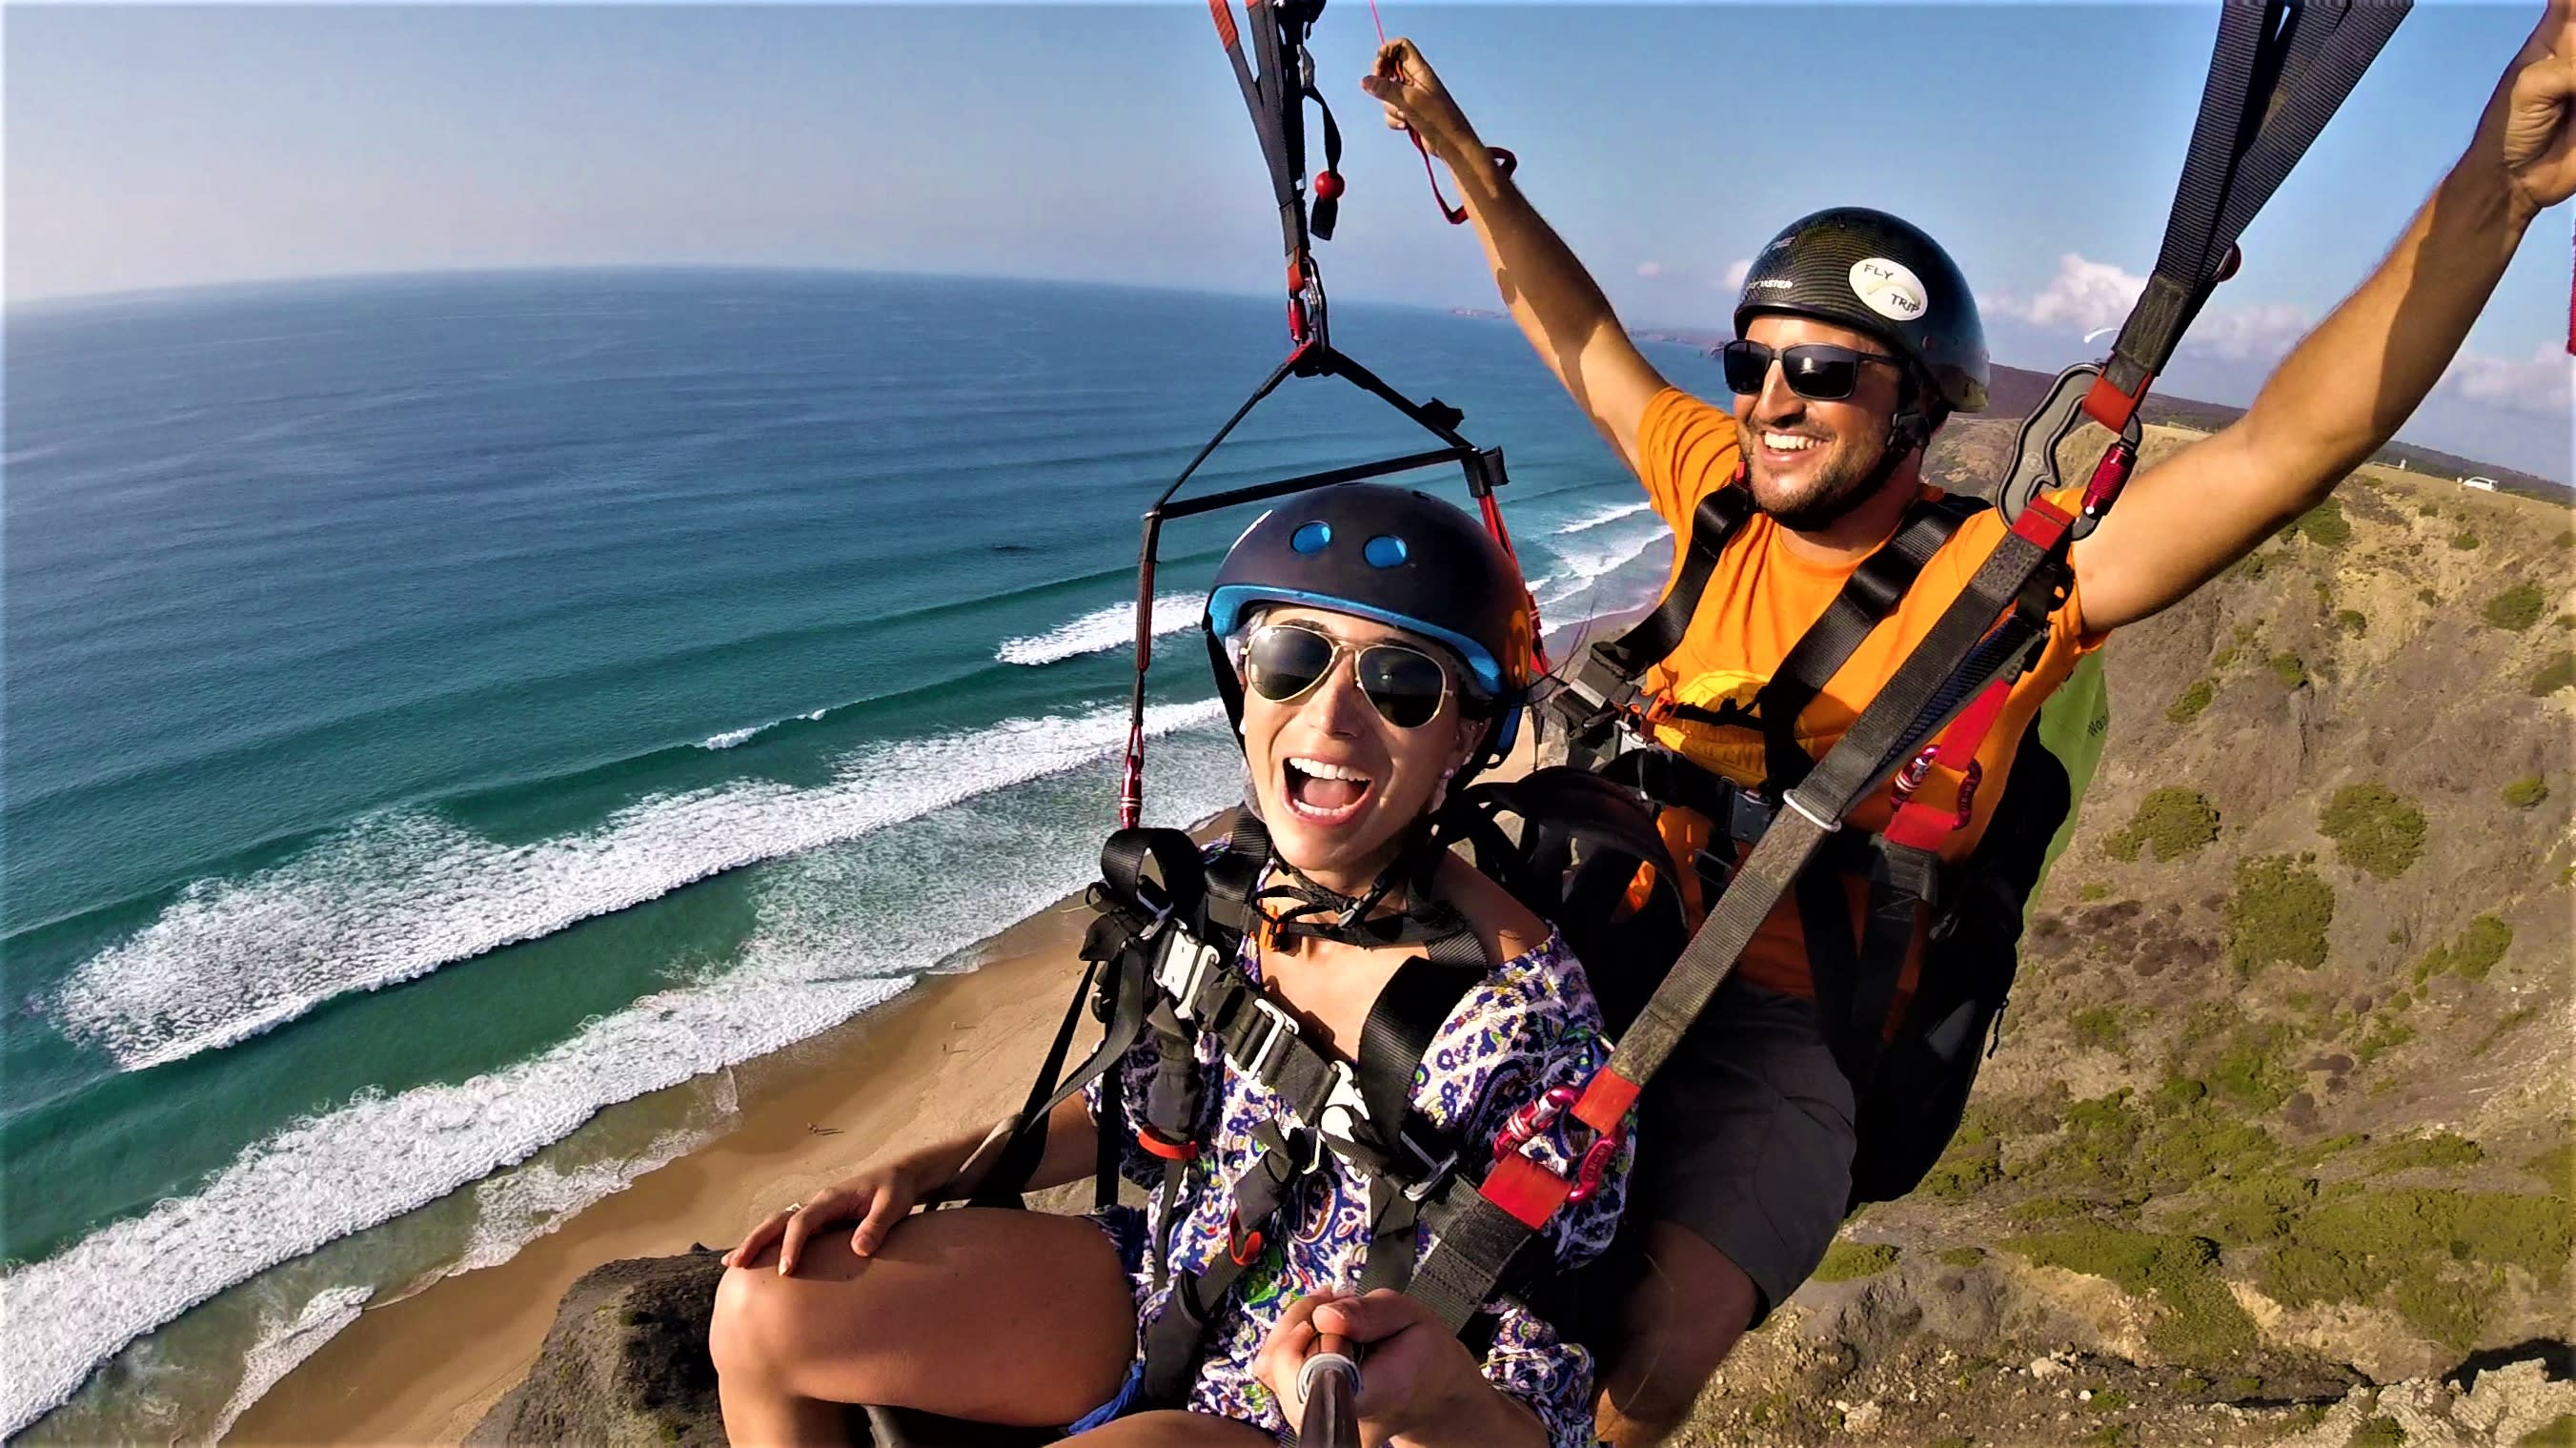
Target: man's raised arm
<point>1558,305</point>
<point>2355,380</point>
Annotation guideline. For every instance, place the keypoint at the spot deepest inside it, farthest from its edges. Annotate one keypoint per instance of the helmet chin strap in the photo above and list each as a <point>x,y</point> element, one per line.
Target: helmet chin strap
<point>1309,909</point>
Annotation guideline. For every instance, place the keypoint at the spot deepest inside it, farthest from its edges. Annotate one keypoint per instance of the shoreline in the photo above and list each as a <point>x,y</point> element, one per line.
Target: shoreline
<point>954,1053</point>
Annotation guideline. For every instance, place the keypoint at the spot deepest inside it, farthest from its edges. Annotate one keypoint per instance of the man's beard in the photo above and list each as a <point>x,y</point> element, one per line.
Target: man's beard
<point>1842,484</point>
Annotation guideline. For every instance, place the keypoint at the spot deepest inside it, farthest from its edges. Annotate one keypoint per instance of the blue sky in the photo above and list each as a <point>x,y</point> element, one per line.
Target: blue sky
<point>151,147</point>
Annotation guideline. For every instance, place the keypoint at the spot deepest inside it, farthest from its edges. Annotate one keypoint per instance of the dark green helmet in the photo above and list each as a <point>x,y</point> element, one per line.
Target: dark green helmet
<point>1868,270</point>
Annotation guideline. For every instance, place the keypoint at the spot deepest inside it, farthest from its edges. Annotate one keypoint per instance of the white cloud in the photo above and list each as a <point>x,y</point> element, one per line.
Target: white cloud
<point>2543,383</point>
<point>1650,270</point>
<point>2092,296</point>
<point>2082,296</point>
<point>1736,272</point>
<point>2263,333</point>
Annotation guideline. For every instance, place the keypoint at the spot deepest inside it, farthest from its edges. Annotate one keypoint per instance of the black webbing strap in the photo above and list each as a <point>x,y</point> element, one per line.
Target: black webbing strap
<point>1856,976</point>
<point>2277,74</point>
<point>1652,639</point>
<point>1173,1342</point>
<point>1272,95</point>
<point>1864,601</point>
<point>1129,903</point>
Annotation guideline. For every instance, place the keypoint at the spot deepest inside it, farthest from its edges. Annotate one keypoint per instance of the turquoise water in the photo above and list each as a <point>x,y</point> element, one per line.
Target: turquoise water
<point>440,709</point>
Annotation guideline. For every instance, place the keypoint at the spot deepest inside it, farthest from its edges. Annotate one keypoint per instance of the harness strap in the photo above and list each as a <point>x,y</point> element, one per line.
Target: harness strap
<point>1652,639</point>
<point>1864,601</point>
<point>2278,73</point>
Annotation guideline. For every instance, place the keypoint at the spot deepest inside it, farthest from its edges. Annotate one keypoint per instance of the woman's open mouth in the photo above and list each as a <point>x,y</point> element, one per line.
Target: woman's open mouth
<point>1323,793</point>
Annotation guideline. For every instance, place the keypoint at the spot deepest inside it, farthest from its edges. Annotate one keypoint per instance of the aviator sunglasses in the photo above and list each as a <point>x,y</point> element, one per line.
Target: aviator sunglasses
<point>1818,371</point>
<point>1283,662</point>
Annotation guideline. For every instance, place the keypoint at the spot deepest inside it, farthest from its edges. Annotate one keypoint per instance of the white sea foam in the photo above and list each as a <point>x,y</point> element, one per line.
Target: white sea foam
<point>1584,567</point>
<point>368,1161</point>
<point>1102,629</point>
<point>396,896</point>
<point>813,961</point>
<point>1599,516</point>
<point>731,737</point>
<point>283,1346</point>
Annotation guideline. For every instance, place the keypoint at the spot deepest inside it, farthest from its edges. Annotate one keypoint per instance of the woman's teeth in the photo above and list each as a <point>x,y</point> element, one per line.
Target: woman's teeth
<point>1324,793</point>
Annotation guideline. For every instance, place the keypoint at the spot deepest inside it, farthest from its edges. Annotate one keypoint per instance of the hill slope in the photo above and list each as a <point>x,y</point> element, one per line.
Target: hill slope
<point>2285,1105</point>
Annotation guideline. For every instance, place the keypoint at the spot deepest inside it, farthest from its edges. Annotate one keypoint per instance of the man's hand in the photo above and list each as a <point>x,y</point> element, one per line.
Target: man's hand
<point>1416,101</point>
<point>2530,123</point>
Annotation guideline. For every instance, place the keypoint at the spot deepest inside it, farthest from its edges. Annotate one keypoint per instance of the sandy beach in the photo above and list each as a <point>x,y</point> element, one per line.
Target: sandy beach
<point>955,1051</point>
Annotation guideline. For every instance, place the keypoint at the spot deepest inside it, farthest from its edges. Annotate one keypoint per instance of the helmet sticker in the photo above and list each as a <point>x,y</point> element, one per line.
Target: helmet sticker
<point>1889,288</point>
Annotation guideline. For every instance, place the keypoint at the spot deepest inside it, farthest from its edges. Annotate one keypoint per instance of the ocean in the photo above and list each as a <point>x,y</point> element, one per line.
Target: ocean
<point>440,709</point>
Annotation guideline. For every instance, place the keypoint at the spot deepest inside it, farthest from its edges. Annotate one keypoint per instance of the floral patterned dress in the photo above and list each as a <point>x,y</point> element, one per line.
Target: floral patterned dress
<point>1530,1024</point>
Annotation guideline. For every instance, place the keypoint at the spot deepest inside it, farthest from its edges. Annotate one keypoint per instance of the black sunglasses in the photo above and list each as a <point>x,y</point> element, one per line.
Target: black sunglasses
<point>1284,661</point>
<point>1818,371</point>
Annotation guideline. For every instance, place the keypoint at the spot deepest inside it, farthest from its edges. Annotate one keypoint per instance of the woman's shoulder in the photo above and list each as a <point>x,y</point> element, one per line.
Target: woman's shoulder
<point>1504,926</point>
<point>1533,972</point>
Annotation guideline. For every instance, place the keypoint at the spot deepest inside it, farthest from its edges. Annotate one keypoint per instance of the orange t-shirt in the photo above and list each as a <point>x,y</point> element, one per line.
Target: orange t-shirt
<point>1760,601</point>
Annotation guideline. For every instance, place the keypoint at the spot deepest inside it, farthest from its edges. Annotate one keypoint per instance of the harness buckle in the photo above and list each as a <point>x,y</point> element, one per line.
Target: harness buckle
<point>1433,1172</point>
<point>1344,1115</point>
<point>1277,1026</point>
<point>1184,969</point>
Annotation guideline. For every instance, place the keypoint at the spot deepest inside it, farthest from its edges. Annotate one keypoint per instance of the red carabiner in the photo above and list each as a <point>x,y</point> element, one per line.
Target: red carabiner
<point>1532,1119</point>
<point>1588,1172</point>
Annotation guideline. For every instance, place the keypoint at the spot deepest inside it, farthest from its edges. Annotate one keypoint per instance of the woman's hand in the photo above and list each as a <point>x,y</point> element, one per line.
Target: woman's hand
<point>876,1196</point>
<point>1418,1382</point>
<point>1416,101</point>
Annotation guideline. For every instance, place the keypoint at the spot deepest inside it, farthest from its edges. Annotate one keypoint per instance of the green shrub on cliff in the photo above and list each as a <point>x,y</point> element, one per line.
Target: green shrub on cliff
<point>2555,675</point>
<point>2374,828</point>
<point>2517,608</point>
<point>2199,1320</point>
<point>2480,944</point>
<point>2188,704</point>
<point>1847,1261</point>
<point>2525,792</point>
<point>2279,912</point>
<point>2173,822</point>
<point>2325,524</point>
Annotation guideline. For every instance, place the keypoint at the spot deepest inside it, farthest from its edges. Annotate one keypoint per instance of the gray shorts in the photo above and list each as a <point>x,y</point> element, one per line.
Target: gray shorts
<point>1745,1138</point>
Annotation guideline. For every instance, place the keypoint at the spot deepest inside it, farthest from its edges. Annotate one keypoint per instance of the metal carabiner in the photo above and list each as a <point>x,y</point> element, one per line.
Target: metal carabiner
<point>2034,468</point>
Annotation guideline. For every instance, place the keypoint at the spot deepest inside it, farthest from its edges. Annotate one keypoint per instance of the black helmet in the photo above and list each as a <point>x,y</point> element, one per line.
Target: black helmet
<point>1883,275</point>
<point>1396,556</point>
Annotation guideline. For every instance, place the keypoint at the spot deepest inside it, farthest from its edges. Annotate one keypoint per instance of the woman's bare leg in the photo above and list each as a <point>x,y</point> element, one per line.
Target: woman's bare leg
<point>1174,1430</point>
<point>1000,1316</point>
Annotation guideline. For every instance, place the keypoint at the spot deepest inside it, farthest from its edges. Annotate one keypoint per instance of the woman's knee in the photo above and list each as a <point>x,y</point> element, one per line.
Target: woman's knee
<point>742,1334</point>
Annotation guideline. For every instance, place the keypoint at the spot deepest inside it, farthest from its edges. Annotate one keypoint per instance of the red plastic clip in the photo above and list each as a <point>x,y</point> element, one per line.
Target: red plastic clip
<point>1244,1247</point>
<point>1167,1150</point>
